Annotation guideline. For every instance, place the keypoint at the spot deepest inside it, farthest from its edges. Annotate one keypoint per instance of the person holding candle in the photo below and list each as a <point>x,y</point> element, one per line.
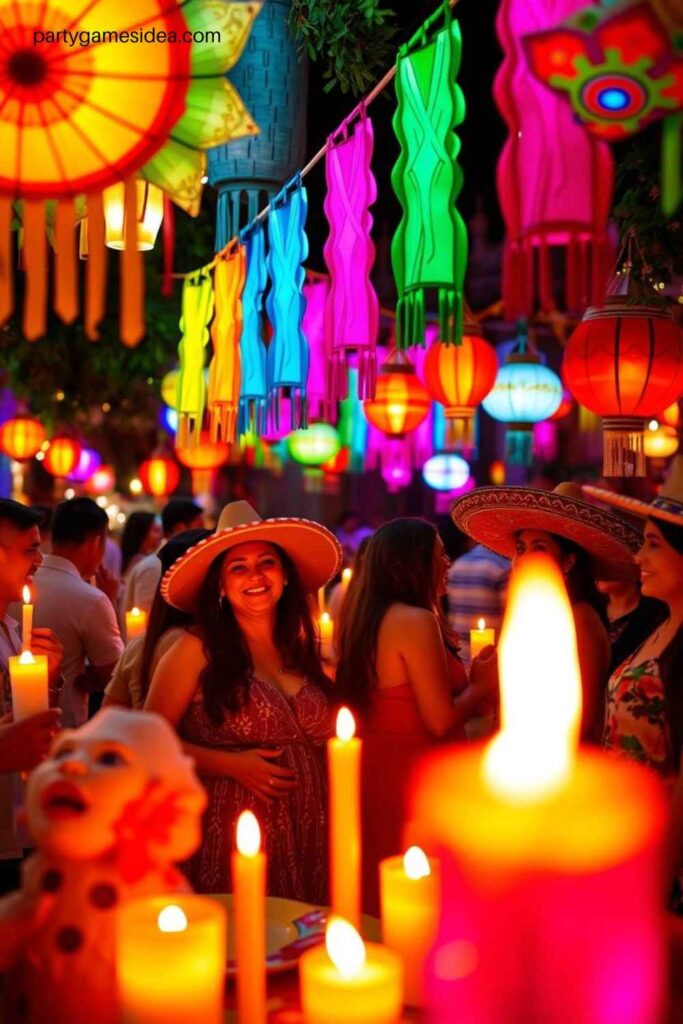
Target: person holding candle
<point>586,542</point>
<point>399,670</point>
<point>246,690</point>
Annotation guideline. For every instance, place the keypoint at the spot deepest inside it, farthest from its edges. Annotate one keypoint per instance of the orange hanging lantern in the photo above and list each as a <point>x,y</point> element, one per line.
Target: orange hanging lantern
<point>62,456</point>
<point>159,475</point>
<point>460,377</point>
<point>625,363</point>
<point>21,438</point>
<point>339,463</point>
<point>671,416</point>
<point>401,403</point>
<point>203,459</point>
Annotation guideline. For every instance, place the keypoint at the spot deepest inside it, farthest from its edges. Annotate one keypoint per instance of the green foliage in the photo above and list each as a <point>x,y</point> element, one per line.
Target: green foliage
<point>353,37</point>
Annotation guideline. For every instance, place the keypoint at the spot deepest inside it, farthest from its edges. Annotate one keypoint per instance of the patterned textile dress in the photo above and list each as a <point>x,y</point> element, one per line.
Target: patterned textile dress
<point>293,827</point>
<point>635,723</point>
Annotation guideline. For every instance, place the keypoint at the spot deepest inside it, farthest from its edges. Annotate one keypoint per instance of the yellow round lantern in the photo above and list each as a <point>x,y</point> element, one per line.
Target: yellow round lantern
<point>150,212</point>
<point>21,437</point>
<point>159,475</point>
<point>169,388</point>
<point>661,442</point>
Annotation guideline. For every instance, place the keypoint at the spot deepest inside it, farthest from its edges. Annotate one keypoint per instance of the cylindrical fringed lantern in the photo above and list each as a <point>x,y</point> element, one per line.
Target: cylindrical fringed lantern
<point>21,437</point>
<point>159,475</point>
<point>203,459</point>
<point>625,363</point>
<point>460,377</point>
<point>62,456</point>
<point>401,403</point>
<point>525,393</point>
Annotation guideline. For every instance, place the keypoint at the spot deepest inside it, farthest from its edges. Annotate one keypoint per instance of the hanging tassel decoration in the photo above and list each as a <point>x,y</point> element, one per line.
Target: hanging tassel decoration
<point>352,309</point>
<point>429,249</point>
<point>66,284</point>
<point>168,247</point>
<point>6,268</point>
<point>225,371</point>
<point>132,318</point>
<point>254,386</point>
<point>288,356</point>
<point>34,252</point>
<point>92,239</point>
<point>197,310</point>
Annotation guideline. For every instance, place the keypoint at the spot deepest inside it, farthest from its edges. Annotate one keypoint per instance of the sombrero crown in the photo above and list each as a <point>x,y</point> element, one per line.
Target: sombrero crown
<point>668,505</point>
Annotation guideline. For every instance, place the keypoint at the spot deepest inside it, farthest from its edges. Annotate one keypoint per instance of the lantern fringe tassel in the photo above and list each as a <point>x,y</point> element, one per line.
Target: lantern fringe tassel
<point>519,443</point>
<point>527,272</point>
<point>460,433</point>
<point>338,377</point>
<point>623,447</point>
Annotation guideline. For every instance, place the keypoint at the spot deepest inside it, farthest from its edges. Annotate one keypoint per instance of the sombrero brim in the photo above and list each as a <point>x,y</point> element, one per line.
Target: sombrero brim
<point>636,507</point>
<point>494,515</point>
<point>315,552</point>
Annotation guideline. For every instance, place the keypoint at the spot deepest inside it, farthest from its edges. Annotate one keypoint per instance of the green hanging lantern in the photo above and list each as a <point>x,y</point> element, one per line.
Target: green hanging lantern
<point>429,249</point>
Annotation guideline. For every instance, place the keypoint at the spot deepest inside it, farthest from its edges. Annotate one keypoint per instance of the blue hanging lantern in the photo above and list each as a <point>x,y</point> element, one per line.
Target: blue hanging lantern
<point>272,79</point>
<point>525,393</point>
<point>445,471</point>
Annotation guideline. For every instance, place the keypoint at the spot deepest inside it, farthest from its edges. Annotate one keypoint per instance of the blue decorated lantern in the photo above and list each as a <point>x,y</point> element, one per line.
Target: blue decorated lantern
<point>272,79</point>
<point>445,471</point>
<point>525,393</point>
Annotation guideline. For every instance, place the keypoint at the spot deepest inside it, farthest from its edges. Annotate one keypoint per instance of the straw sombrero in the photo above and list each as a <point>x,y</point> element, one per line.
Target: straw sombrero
<point>668,505</point>
<point>494,515</point>
<point>315,551</point>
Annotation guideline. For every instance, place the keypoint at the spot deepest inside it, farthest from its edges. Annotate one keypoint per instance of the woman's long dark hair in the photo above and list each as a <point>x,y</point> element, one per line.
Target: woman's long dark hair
<point>397,567</point>
<point>134,532</point>
<point>225,679</point>
<point>671,658</point>
<point>581,585</point>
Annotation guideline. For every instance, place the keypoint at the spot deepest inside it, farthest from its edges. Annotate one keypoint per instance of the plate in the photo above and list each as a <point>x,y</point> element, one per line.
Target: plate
<point>291,929</point>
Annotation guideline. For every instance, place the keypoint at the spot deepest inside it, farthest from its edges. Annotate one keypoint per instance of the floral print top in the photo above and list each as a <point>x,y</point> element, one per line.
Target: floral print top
<point>635,721</point>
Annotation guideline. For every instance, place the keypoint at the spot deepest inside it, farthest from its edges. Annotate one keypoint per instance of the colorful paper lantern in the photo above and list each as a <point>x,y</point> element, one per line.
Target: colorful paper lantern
<point>396,475</point>
<point>159,475</point>
<point>660,442</point>
<point>149,214</point>
<point>21,437</point>
<point>102,481</point>
<point>564,408</point>
<point>554,178</point>
<point>671,415</point>
<point>460,377</point>
<point>197,310</point>
<point>445,471</point>
<point>429,249</point>
<point>352,309</point>
<point>497,473</point>
<point>62,457</point>
<point>401,403</point>
<point>203,459</point>
<point>254,385</point>
<point>225,368</point>
<point>88,461</point>
<point>338,464</point>
<point>314,446</point>
<point>625,363</point>
<point>525,393</point>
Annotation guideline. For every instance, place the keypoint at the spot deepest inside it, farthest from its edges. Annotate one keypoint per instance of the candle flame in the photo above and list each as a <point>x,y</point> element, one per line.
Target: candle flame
<point>135,611</point>
<point>325,618</point>
<point>481,624</point>
<point>26,658</point>
<point>248,834</point>
<point>345,947</point>
<point>346,725</point>
<point>26,594</point>
<point>346,575</point>
<point>540,684</point>
<point>415,863</point>
<point>171,919</point>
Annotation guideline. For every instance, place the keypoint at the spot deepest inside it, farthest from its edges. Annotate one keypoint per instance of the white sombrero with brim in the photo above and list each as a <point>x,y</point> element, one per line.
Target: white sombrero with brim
<point>668,505</point>
<point>316,552</point>
<point>493,516</point>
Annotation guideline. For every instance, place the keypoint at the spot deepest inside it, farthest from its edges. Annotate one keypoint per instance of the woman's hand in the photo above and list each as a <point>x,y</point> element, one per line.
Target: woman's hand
<point>267,781</point>
<point>484,679</point>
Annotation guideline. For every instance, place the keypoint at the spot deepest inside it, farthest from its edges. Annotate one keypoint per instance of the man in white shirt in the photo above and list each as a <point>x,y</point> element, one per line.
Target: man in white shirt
<point>178,515</point>
<point>80,614</point>
<point>23,744</point>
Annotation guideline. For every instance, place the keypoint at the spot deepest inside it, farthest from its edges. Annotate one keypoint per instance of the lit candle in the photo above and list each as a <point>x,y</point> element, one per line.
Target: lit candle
<point>28,679</point>
<point>326,632</point>
<point>136,623</point>
<point>343,759</point>
<point>249,885</point>
<point>321,600</point>
<point>546,849</point>
<point>345,580</point>
<point>480,638</point>
<point>349,982</point>
<point>26,620</point>
<point>171,956</point>
<point>409,893</point>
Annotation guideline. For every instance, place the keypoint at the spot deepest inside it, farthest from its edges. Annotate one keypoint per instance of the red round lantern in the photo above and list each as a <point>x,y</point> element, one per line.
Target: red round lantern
<point>339,463</point>
<point>625,363</point>
<point>102,481</point>
<point>401,403</point>
<point>159,475</point>
<point>459,377</point>
<point>564,408</point>
<point>21,437</point>
<point>62,456</point>
<point>203,460</point>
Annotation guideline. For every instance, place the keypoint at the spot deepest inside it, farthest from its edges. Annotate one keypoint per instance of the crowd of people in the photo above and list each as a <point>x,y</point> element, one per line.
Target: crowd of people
<point>232,659</point>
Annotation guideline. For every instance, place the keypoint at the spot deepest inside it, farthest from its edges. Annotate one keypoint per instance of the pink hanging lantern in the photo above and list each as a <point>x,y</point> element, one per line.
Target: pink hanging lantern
<point>89,461</point>
<point>554,177</point>
<point>352,310</point>
<point>316,294</point>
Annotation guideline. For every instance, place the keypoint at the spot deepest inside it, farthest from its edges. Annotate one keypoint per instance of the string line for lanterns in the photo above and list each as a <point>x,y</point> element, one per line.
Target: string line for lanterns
<point>363,104</point>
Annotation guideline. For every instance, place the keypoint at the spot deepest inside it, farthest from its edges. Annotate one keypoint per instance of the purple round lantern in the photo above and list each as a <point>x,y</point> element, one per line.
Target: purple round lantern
<point>89,461</point>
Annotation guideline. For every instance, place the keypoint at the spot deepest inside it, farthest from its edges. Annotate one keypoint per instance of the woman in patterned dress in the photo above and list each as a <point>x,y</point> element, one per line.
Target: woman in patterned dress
<point>248,696</point>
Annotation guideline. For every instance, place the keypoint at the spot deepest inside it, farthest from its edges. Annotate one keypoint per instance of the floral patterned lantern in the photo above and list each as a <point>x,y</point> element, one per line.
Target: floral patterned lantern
<point>401,403</point>
<point>62,456</point>
<point>21,437</point>
<point>625,363</point>
<point>159,475</point>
